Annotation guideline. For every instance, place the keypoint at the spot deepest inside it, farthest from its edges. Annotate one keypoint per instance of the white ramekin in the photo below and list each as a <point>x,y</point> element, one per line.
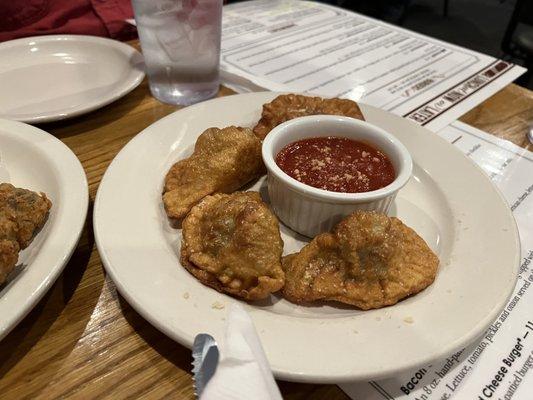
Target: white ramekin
<point>309,210</point>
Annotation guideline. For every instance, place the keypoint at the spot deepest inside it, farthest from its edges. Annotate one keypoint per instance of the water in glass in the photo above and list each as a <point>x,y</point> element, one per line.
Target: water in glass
<point>180,40</point>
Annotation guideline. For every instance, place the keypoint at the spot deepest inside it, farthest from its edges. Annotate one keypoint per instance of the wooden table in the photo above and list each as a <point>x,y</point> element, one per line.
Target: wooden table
<point>83,340</point>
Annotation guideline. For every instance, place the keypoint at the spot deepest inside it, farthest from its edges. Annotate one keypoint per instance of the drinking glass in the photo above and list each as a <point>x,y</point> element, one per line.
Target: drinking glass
<point>180,41</point>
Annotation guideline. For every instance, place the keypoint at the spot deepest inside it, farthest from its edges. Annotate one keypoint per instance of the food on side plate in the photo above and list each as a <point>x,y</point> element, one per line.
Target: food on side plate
<point>232,243</point>
<point>289,106</point>
<point>22,214</point>
<point>223,161</point>
<point>9,254</point>
<point>369,260</point>
<point>337,164</point>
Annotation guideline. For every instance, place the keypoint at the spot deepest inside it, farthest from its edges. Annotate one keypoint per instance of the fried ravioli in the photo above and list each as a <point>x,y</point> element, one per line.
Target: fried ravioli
<point>369,260</point>
<point>223,161</point>
<point>232,244</point>
<point>22,214</point>
<point>9,254</point>
<point>289,106</point>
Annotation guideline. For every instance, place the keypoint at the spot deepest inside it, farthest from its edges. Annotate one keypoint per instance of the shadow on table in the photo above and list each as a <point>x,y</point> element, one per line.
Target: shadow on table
<point>37,323</point>
<point>174,352</point>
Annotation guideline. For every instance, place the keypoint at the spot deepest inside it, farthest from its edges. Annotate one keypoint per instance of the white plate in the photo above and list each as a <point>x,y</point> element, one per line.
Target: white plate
<point>35,160</point>
<point>48,78</point>
<point>448,201</point>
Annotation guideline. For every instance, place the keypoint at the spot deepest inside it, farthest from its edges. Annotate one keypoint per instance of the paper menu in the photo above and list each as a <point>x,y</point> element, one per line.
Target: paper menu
<point>499,366</point>
<point>301,46</point>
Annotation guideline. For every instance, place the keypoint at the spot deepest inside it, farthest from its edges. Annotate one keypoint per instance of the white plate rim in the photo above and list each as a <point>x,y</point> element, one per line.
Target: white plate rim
<point>73,182</point>
<point>128,86</point>
<point>474,334</point>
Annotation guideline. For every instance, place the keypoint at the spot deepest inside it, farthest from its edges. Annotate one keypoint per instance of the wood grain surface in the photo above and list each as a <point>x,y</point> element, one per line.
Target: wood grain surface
<point>83,341</point>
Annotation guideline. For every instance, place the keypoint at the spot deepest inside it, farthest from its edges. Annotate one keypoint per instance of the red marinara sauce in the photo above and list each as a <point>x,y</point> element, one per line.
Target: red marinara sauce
<point>336,164</point>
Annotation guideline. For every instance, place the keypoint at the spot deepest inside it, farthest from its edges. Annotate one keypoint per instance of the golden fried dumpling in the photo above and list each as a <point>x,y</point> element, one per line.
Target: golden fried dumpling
<point>289,106</point>
<point>369,260</point>
<point>223,161</point>
<point>232,244</point>
<point>22,214</point>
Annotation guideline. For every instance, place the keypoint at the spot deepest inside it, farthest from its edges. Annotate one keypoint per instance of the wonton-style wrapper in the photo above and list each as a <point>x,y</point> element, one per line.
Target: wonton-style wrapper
<point>22,214</point>
<point>223,161</point>
<point>232,244</point>
<point>369,261</point>
<point>289,106</point>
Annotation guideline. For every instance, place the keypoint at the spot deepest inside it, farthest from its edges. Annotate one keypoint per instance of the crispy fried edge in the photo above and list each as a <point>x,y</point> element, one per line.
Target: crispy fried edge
<point>263,127</point>
<point>433,264</point>
<point>177,217</point>
<point>264,286</point>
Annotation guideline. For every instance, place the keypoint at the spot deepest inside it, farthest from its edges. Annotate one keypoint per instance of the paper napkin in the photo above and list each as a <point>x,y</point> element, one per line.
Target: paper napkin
<point>243,372</point>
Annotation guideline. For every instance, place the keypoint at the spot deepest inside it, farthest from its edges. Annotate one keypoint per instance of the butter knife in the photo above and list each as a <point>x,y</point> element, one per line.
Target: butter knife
<point>205,360</point>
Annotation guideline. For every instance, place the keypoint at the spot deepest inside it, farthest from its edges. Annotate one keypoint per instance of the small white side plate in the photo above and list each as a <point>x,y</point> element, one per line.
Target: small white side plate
<point>35,160</point>
<point>48,78</point>
<point>449,201</point>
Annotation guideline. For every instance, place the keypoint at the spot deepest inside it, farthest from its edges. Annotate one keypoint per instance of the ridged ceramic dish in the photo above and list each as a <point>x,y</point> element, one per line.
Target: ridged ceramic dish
<point>294,202</point>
